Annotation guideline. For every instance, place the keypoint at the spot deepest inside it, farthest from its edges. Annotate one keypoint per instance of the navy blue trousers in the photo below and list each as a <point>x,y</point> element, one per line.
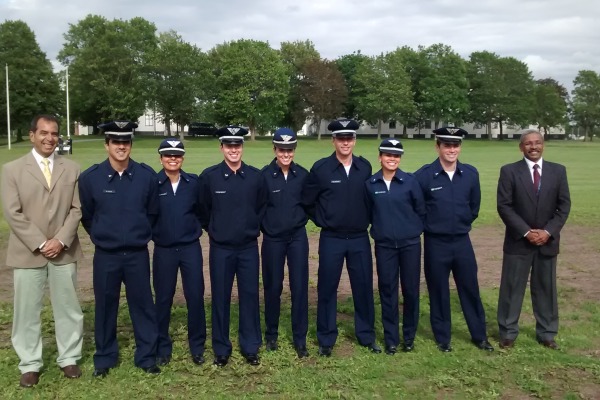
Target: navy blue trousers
<point>403,263</point>
<point>445,254</point>
<point>110,270</point>
<point>273,254</point>
<point>166,263</point>
<point>357,253</point>
<point>225,265</point>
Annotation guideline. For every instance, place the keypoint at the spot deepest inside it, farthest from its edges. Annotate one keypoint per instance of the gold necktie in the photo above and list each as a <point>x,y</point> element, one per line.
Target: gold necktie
<point>46,170</point>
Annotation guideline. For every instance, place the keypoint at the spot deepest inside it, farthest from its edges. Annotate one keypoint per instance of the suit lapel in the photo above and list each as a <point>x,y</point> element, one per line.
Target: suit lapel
<point>57,171</point>
<point>34,170</point>
<point>525,178</point>
<point>545,179</point>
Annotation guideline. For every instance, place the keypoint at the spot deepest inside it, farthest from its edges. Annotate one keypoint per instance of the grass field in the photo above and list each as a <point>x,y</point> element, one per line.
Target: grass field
<point>527,371</point>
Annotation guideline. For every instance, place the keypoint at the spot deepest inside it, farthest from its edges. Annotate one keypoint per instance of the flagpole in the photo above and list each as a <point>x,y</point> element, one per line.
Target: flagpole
<point>68,121</point>
<point>7,107</point>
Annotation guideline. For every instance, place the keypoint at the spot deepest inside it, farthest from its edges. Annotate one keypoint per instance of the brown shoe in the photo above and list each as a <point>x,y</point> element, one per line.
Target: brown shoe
<point>71,371</point>
<point>506,343</point>
<point>29,379</point>
<point>551,344</point>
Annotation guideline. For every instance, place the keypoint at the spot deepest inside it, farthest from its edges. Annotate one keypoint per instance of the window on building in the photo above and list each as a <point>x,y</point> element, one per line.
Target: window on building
<point>149,120</point>
<point>392,124</point>
<point>427,124</point>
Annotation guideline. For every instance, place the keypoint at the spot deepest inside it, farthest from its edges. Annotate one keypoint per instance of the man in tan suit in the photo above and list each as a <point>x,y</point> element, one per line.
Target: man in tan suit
<point>40,199</point>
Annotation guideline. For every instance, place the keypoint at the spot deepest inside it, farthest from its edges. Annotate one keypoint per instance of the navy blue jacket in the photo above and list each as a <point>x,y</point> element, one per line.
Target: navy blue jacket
<point>335,201</point>
<point>232,204</point>
<point>118,212</point>
<point>397,214</point>
<point>284,213</point>
<point>178,222</point>
<point>452,206</point>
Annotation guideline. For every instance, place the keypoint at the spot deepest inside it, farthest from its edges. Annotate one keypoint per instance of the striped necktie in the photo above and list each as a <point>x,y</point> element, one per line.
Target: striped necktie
<point>46,170</point>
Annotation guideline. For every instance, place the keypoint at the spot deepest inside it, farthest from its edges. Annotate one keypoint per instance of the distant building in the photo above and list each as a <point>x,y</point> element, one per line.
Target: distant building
<point>148,124</point>
<point>477,131</point>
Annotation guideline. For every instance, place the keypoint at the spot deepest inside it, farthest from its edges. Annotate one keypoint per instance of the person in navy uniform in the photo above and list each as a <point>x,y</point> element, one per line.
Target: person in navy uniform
<point>335,198</point>
<point>233,201</point>
<point>452,199</point>
<point>284,236</point>
<point>119,204</point>
<point>397,214</point>
<point>176,246</point>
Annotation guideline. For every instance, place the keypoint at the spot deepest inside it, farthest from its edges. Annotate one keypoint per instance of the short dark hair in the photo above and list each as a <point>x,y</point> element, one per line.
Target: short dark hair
<point>47,117</point>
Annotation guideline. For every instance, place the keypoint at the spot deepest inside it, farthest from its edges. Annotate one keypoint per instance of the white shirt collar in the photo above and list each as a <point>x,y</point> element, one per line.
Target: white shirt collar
<point>531,163</point>
<point>39,158</point>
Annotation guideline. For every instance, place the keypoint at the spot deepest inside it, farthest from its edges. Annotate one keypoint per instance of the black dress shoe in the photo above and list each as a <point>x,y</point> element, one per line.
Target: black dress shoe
<point>301,351</point>
<point>198,359</point>
<point>221,361</point>
<point>408,346</point>
<point>373,347</point>
<point>153,369</point>
<point>271,345</point>
<point>252,358</point>
<point>483,345</point>
<point>550,343</point>
<point>325,351</point>
<point>163,360</point>
<point>100,372</point>
<point>444,347</point>
<point>390,350</point>
<point>507,343</point>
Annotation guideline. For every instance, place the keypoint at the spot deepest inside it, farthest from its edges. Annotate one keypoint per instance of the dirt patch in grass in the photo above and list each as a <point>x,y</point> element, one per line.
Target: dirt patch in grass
<point>576,266</point>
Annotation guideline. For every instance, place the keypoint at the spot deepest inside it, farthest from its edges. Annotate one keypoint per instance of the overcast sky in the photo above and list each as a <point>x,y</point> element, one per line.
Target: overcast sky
<point>556,38</point>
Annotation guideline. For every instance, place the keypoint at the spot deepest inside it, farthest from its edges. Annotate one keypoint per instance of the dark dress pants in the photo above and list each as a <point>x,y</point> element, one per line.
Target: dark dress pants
<point>357,253</point>
<point>403,263</point>
<point>274,253</point>
<point>133,269</point>
<point>225,265</point>
<point>166,263</point>
<point>445,254</point>
<point>515,271</point>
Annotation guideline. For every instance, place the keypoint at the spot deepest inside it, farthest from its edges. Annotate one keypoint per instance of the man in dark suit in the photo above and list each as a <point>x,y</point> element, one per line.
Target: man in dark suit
<point>41,206</point>
<point>534,203</point>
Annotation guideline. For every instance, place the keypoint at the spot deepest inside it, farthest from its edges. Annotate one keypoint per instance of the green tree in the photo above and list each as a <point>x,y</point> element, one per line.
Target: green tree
<point>178,71</point>
<point>33,86</point>
<point>383,90</point>
<point>108,68</point>
<point>295,55</point>
<point>416,67</point>
<point>323,91</point>
<point>586,101</point>
<point>551,104</point>
<point>250,85</point>
<point>443,87</point>
<point>348,65</point>
<point>500,90</point>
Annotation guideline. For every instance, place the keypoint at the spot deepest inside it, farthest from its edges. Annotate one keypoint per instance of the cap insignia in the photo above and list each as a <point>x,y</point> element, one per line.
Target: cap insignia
<point>286,138</point>
<point>121,124</point>
<point>394,142</point>
<point>173,143</point>
<point>344,123</point>
<point>233,130</point>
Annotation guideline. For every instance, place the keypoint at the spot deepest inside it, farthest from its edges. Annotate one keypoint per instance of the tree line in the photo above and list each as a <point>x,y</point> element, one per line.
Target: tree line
<point>120,68</point>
